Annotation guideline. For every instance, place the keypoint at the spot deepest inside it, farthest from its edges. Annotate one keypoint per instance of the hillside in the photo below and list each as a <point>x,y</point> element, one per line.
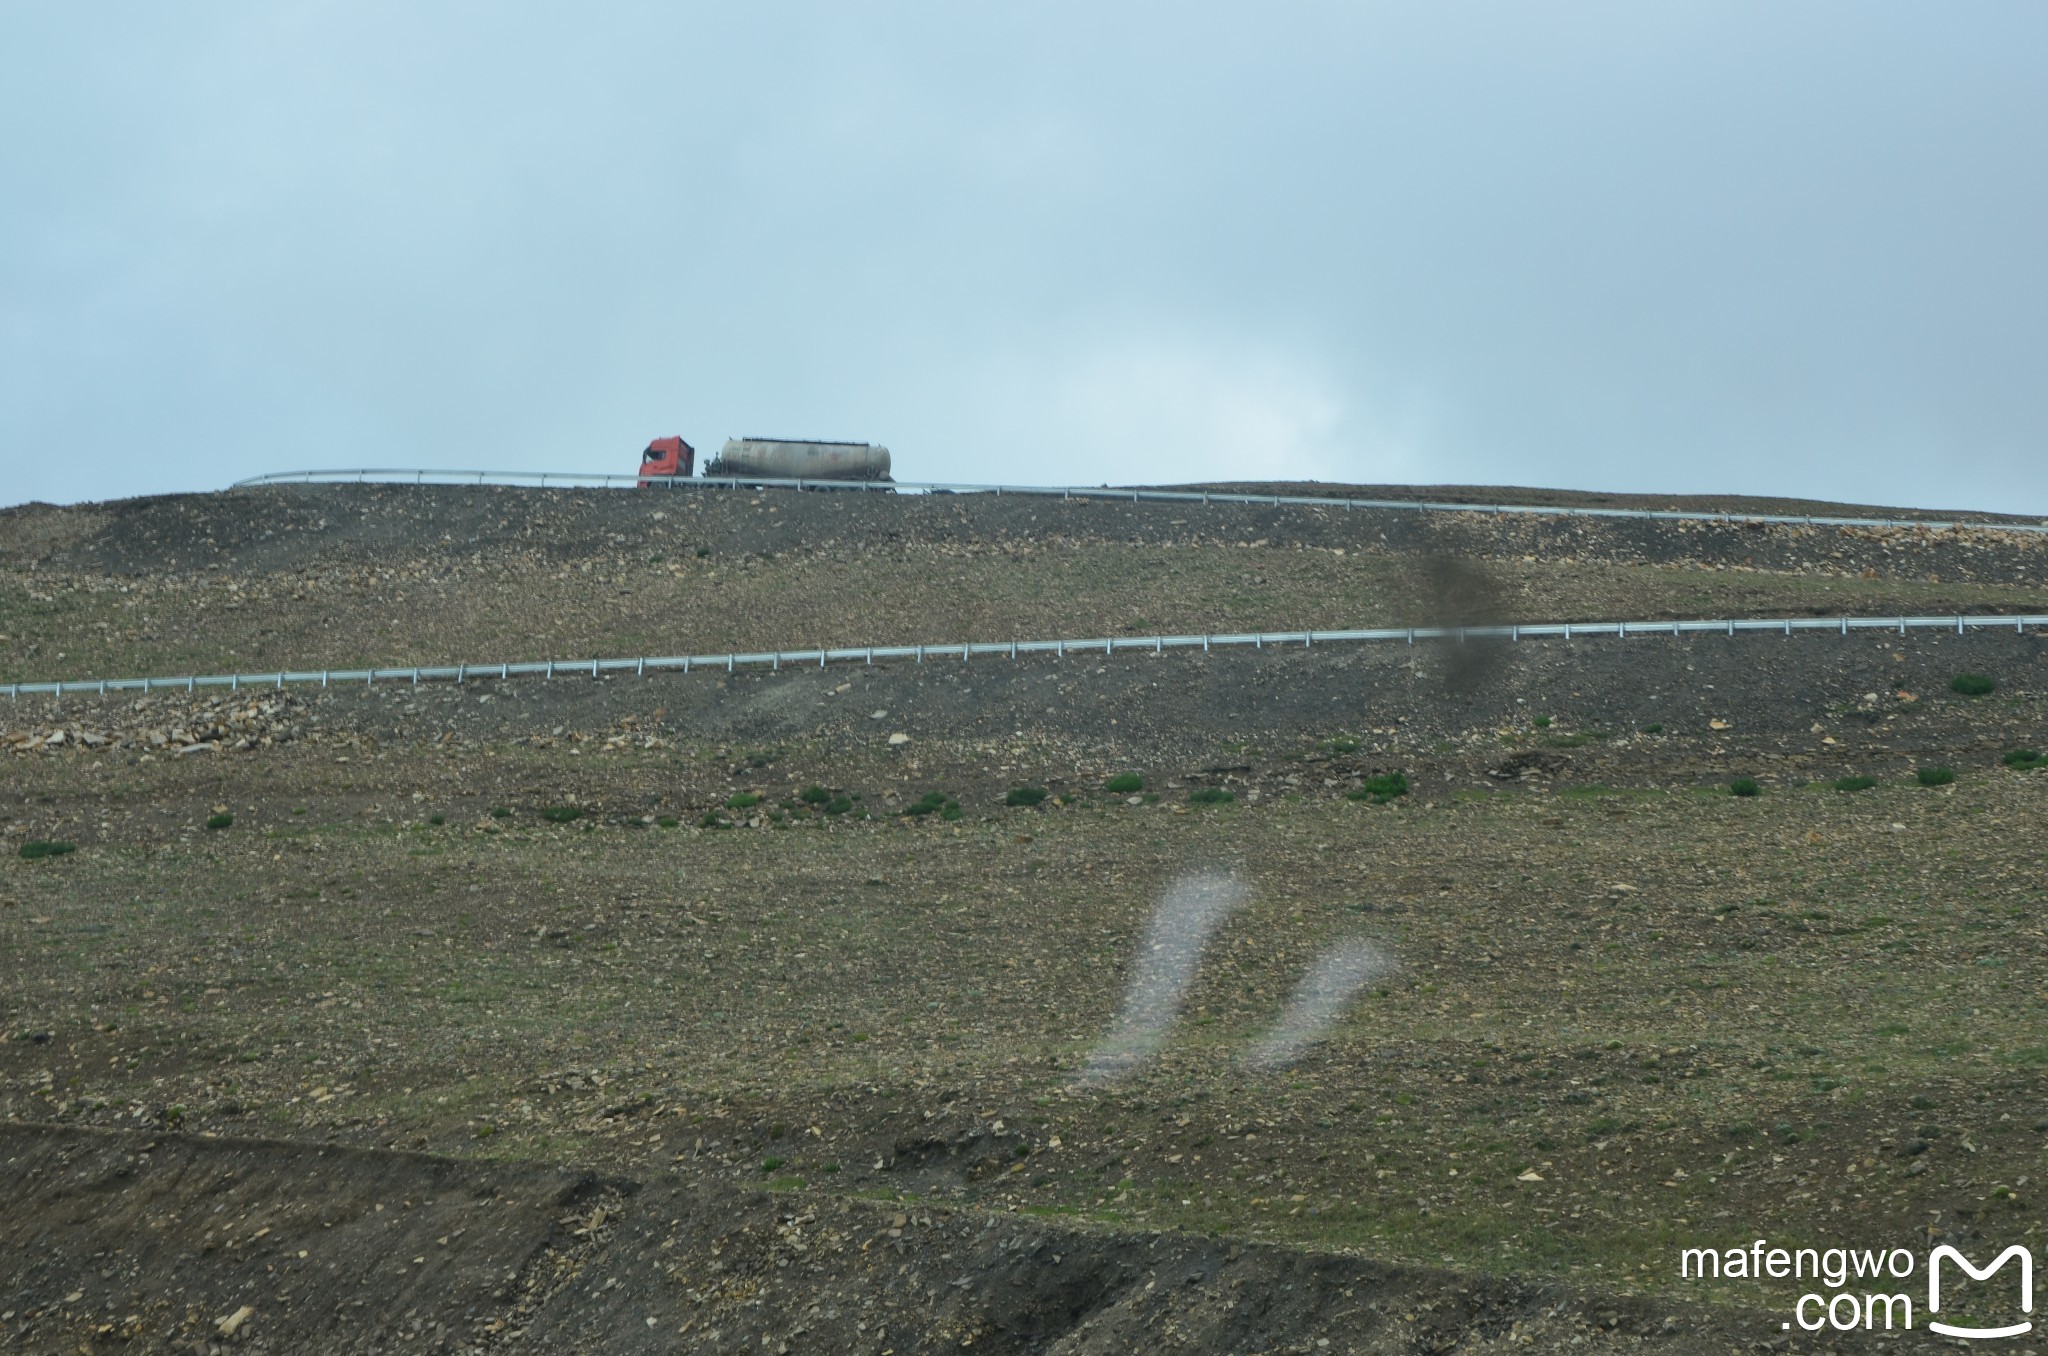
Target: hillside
<point>597,929</point>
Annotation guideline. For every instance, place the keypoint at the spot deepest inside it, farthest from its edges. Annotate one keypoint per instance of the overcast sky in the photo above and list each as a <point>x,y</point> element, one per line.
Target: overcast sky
<point>1762,248</point>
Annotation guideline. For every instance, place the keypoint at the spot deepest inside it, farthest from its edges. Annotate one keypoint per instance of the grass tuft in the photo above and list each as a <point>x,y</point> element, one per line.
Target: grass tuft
<point>37,848</point>
<point>2024,760</point>
<point>1854,783</point>
<point>562,814</point>
<point>1935,776</point>
<point>1211,795</point>
<point>1124,784</point>
<point>1744,786</point>
<point>816,795</point>
<point>1380,790</point>
<point>220,821</point>
<point>742,800</point>
<point>1024,795</point>
<point>1972,685</point>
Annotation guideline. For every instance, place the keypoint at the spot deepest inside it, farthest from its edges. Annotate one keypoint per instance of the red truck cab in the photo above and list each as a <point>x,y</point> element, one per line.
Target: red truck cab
<point>666,457</point>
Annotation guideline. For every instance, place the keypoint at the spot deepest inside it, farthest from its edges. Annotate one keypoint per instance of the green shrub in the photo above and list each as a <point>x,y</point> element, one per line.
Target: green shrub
<point>1380,790</point>
<point>36,849</point>
<point>562,814</point>
<point>1935,776</point>
<point>501,812</point>
<point>1124,784</point>
<point>1744,786</point>
<point>816,795</point>
<point>711,821</point>
<point>1024,795</point>
<point>1972,685</point>
<point>770,1164</point>
<point>667,821</point>
<point>742,800</point>
<point>1653,729</point>
<point>2024,760</point>
<point>952,812</point>
<point>1344,744</point>
<point>1854,783</point>
<point>1211,795</point>
<point>1542,722</point>
<point>437,820</point>
<point>838,805</point>
<point>931,803</point>
<point>220,821</point>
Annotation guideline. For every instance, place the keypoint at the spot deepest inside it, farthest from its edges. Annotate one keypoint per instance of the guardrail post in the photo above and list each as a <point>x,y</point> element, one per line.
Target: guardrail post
<point>551,668</point>
<point>1959,625</point>
<point>776,664</point>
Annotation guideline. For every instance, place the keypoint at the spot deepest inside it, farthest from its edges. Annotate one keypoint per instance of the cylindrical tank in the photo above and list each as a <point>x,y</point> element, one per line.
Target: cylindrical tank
<point>789,459</point>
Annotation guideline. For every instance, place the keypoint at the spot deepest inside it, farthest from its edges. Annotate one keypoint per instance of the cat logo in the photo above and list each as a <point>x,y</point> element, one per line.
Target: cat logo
<point>2026,1260</point>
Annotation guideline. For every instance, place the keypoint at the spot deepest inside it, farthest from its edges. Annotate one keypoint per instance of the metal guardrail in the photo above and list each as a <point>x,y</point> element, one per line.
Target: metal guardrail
<point>604,480</point>
<point>776,660</point>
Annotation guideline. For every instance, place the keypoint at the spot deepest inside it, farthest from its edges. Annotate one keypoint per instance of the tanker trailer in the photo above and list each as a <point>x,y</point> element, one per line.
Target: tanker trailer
<point>789,459</point>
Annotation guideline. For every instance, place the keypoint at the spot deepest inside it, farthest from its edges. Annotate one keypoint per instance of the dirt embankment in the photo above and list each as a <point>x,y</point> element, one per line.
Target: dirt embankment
<point>163,1242</point>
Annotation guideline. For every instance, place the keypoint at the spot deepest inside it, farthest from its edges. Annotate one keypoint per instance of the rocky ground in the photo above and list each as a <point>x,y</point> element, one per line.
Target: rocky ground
<point>701,1061</point>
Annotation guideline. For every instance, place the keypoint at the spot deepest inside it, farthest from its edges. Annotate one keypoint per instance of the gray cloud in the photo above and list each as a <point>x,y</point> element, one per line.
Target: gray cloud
<point>1734,247</point>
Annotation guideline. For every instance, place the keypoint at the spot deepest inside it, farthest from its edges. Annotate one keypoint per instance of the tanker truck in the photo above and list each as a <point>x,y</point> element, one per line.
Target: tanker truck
<point>791,459</point>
